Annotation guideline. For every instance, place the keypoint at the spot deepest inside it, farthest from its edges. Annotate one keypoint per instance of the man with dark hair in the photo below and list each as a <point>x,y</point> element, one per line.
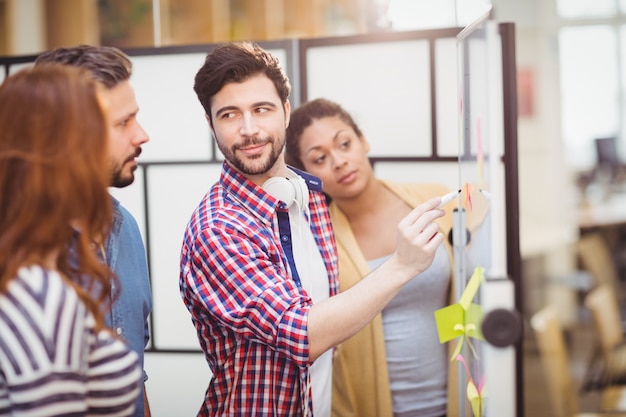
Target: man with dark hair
<point>124,250</point>
<point>258,261</point>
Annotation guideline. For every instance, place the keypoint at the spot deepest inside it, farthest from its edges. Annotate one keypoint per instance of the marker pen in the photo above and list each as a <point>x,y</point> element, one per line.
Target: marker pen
<point>445,199</point>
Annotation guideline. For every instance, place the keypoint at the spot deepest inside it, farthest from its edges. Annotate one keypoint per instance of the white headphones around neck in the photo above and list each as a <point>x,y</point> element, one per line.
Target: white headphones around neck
<point>290,189</point>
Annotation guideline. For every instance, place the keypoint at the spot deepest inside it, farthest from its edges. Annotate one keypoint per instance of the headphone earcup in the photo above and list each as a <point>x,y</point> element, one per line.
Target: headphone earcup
<point>290,190</point>
<point>281,189</point>
<point>301,191</point>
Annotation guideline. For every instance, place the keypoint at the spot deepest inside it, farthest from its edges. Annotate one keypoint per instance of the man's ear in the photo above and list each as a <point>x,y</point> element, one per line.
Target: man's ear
<point>287,107</point>
<point>208,119</point>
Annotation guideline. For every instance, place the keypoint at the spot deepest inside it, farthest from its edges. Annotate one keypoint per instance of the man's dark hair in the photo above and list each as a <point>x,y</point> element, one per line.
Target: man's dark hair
<point>236,62</point>
<point>107,64</point>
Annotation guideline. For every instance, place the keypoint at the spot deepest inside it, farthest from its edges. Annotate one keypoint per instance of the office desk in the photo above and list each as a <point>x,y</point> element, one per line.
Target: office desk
<point>602,214</point>
<point>608,217</point>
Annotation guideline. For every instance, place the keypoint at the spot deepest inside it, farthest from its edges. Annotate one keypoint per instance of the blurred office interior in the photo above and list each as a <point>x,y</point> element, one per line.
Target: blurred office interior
<point>571,76</point>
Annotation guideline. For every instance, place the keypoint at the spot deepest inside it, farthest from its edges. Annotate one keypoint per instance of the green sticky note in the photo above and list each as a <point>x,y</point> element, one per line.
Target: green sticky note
<point>472,287</point>
<point>448,320</point>
<point>475,398</point>
<point>473,321</point>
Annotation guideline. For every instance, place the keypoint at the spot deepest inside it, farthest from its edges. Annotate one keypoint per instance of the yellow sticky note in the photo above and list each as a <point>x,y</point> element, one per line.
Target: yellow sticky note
<point>473,321</point>
<point>472,287</point>
<point>448,319</point>
<point>475,399</point>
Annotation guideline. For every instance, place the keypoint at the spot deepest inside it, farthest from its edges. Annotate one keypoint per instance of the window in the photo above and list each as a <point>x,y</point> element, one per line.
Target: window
<point>589,89</point>
<point>592,58</point>
<point>428,14</point>
<point>585,8</point>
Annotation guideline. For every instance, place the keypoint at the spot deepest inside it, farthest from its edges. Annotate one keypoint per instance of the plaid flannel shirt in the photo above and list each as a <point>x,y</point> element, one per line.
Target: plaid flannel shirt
<point>237,281</point>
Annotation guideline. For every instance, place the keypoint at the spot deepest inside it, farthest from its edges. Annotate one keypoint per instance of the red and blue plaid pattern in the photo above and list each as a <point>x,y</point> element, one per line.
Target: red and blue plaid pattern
<point>250,314</point>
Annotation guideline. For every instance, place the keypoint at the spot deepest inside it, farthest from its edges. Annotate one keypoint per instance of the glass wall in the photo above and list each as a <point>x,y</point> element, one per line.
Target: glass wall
<point>592,54</point>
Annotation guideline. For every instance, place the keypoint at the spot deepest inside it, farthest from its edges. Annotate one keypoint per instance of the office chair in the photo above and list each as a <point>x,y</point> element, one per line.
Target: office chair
<point>602,303</point>
<point>595,257</point>
<point>555,360</point>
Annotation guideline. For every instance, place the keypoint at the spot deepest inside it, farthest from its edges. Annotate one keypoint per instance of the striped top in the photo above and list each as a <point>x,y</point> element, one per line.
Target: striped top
<point>53,362</point>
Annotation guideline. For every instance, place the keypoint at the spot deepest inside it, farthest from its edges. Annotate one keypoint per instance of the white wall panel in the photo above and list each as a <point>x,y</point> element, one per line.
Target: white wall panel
<point>385,86</point>
<point>173,193</point>
<point>169,109</point>
<point>448,98</point>
<point>176,383</point>
<point>445,173</point>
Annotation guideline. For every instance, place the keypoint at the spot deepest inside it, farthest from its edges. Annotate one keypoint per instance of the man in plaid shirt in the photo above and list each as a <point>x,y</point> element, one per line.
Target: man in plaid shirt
<point>258,261</point>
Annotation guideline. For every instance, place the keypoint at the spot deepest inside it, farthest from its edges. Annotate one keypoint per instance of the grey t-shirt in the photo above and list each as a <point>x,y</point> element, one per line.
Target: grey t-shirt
<point>417,362</point>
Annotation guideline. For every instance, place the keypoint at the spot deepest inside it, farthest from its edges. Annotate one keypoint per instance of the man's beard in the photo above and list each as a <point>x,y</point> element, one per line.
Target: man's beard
<point>254,165</point>
<point>120,181</point>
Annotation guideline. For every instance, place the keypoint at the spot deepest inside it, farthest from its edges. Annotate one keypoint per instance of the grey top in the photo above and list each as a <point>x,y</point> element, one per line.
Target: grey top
<point>417,362</point>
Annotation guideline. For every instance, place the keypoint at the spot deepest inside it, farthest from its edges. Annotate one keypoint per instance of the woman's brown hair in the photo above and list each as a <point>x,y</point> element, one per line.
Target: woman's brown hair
<point>54,175</point>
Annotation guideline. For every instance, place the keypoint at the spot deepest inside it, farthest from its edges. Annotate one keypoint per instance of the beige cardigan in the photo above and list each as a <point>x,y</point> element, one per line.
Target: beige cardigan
<point>360,379</point>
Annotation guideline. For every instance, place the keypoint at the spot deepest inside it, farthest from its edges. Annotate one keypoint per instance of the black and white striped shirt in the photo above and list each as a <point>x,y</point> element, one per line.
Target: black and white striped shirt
<point>53,362</point>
